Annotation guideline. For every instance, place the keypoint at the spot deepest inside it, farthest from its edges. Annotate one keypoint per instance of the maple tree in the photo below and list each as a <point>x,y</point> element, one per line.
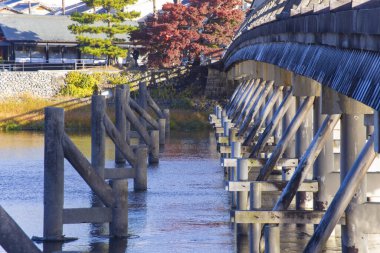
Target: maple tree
<point>179,32</point>
<point>97,33</point>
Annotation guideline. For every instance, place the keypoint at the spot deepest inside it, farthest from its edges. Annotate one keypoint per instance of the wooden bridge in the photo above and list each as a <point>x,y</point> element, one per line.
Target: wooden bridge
<point>305,108</point>
<point>133,150</point>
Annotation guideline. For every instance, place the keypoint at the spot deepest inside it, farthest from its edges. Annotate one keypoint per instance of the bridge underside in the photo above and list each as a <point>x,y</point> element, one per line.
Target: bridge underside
<point>301,68</point>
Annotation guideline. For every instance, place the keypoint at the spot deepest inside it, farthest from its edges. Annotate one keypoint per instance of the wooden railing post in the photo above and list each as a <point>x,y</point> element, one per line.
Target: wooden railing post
<point>53,174</point>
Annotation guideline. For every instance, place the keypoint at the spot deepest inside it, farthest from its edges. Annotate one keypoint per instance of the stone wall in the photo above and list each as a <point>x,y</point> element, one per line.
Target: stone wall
<point>218,86</point>
<point>42,84</point>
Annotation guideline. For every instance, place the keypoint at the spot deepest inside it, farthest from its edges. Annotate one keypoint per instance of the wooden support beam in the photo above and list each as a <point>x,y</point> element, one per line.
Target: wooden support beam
<point>263,115</point>
<point>257,86</point>
<point>255,109</point>
<point>223,139</point>
<point>227,149</point>
<point>137,124</point>
<point>119,173</point>
<point>12,237</point>
<point>87,215</point>
<point>117,139</point>
<point>155,107</point>
<point>279,113</point>
<point>342,198</point>
<point>87,172</point>
<point>239,98</point>
<point>250,102</point>
<point>283,143</point>
<point>280,217</point>
<point>306,162</point>
<point>259,162</point>
<point>144,114</point>
<point>270,186</point>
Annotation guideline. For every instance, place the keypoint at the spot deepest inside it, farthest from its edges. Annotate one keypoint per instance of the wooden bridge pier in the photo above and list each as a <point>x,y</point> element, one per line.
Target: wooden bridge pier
<point>308,177</point>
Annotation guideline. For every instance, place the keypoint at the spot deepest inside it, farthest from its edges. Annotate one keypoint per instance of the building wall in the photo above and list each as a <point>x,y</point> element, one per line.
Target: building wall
<point>39,84</point>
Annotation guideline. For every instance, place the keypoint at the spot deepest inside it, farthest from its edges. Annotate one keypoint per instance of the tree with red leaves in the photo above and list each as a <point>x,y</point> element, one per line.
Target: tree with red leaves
<point>179,32</point>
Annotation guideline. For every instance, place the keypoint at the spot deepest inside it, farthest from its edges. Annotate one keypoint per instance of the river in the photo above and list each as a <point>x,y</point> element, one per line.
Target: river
<point>184,210</point>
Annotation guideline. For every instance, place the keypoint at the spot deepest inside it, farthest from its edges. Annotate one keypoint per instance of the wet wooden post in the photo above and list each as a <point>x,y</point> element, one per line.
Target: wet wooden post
<point>154,150</point>
<point>242,196</point>
<point>352,138</point>
<point>324,164</point>
<point>120,119</point>
<point>53,174</point>
<point>166,113</point>
<point>162,127</point>
<point>304,135</point>
<point>98,133</point>
<point>302,88</point>
<point>255,229</point>
<point>235,153</point>
<point>119,223</point>
<point>141,177</point>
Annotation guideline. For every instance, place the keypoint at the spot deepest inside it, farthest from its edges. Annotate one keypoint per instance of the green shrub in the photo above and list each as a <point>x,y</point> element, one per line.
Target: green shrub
<point>80,84</point>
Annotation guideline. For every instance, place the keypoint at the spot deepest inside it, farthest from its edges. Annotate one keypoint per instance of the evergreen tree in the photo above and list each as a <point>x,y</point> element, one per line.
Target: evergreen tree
<point>97,32</point>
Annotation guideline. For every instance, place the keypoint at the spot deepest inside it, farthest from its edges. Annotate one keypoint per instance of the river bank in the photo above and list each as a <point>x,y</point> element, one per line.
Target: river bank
<point>27,113</point>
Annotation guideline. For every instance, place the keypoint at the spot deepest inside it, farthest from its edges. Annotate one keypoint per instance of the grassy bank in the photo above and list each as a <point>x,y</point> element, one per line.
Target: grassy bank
<point>27,113</point>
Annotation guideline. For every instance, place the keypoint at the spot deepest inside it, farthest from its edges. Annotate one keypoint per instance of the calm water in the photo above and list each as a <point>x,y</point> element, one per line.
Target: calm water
<point>184,210</point>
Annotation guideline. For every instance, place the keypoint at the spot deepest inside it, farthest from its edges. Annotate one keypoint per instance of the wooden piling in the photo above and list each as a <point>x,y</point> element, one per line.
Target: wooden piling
<point>162,127</point>
<point>323,165</point>
<point>255,229</point>
<point>352,139</point>
<point>166,113</point>
<point>53,174</point>
<point>119,223</point>
<point>120,119</point>
<point>242,197</point>
<point>272,234</point>
<point>304,135</point>
<point>141,179</point>
<point>98,133</point>
<point>154,149</point>
<point>143,98</point>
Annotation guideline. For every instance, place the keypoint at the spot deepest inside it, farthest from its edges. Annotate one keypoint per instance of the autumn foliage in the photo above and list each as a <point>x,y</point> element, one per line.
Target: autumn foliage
<point>181,32</point>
